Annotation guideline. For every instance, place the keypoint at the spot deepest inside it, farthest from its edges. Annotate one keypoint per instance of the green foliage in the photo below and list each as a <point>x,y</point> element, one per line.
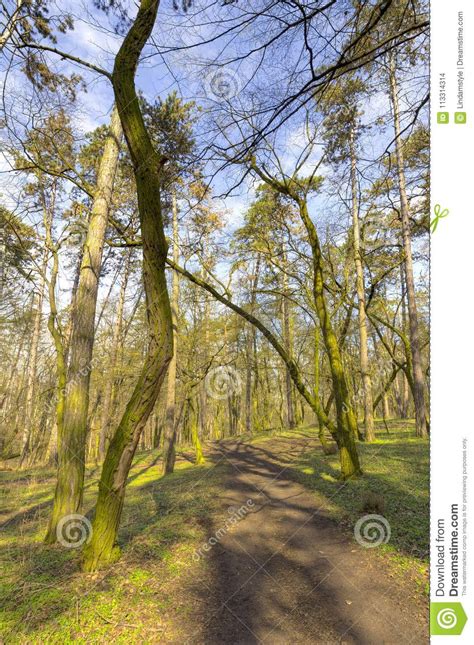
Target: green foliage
<point>49,147</point>
<point>170,123</point>
<point>340,106</point>
<point>265,219</point>
<point>19,245</point>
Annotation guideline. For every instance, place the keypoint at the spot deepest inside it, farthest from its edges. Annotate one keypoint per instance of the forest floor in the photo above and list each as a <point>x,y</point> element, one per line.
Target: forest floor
<point>255,546</point>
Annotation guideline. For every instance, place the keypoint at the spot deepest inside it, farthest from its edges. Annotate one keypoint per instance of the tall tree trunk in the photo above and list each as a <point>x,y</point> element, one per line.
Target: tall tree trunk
<point>3,249</point>
<point>317,384</point>
<point>147,166</point>
<point>112,365</point>
<point>196,441</point>
<point>72,440</point>
<point>405,396</point>
<point>346,431</point>
<point>249,350</point>
<point>363,353</point>
<point>54,327</point>
<point>37,311</point>
<point>346,421</point>
<point>75,284</point>
<point>248,380</point>
<point>287,335</point>
<point>10,22</point>
<point>11,383</point>
<point>405,386</point>
<point>386,406</point>
<point>169,439</point>
<point>418,376</point>
<point>205,430</point>
<point>61,373</point>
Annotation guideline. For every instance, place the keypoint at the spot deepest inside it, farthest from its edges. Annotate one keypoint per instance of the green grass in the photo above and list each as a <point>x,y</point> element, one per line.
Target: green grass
<point>145,597</point>
<point>44,596</point>
<point>396,467</point>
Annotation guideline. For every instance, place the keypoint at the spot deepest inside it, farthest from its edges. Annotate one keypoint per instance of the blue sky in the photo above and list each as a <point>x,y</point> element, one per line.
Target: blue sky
<point>187,71</point>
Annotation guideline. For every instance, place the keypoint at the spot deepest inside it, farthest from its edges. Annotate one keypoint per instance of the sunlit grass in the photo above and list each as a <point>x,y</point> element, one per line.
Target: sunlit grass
<point>44,596</point>
<point>46,599</point>
<point>396,467</point>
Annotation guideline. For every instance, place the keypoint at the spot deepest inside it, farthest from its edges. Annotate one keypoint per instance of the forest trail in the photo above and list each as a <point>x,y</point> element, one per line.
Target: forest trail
<point>287,574</point>
<point>202,566</point>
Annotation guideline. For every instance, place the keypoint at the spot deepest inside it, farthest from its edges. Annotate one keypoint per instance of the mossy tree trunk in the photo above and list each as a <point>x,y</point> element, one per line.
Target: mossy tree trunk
<point>418,376</point>
<point>72,435</point>
<point>345,417</point>
<point>195,440</point>
<point>249,351</point>
<point>346,423</point>
<point>112,366</point>
<point>169,439</point>
<point>147,165</point>
<point>360,282</point>
<point>286,324</point>
<point>317,384</point>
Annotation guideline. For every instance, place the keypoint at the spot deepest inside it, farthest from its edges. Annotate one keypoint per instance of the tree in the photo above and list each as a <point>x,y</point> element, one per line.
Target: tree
<point>418,376</point>
<point>413,52</point>
<point>29,19</point>
<point>169,444</point>
<point>147,165</point>
<point>268,223</point>
<point>301,304</point>
<point>342,129</point>
<point>47,148</point>
<point>20,256</point>
<point>297,189</point>
<point>169,123</point>
<point>315,44</point>
<point>72,442</point>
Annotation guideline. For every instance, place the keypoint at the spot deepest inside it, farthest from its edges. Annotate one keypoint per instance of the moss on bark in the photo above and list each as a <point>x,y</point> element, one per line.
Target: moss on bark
<point>103,549</point>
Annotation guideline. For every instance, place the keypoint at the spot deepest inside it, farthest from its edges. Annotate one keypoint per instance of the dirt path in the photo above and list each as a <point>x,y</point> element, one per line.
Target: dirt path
<point>287,574</point>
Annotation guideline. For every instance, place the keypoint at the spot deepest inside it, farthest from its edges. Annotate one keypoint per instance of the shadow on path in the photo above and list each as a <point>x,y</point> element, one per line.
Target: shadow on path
<point>284,572</point>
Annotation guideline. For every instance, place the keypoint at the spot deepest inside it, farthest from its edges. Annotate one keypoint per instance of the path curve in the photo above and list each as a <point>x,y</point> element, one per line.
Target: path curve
<point>286,573</point>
